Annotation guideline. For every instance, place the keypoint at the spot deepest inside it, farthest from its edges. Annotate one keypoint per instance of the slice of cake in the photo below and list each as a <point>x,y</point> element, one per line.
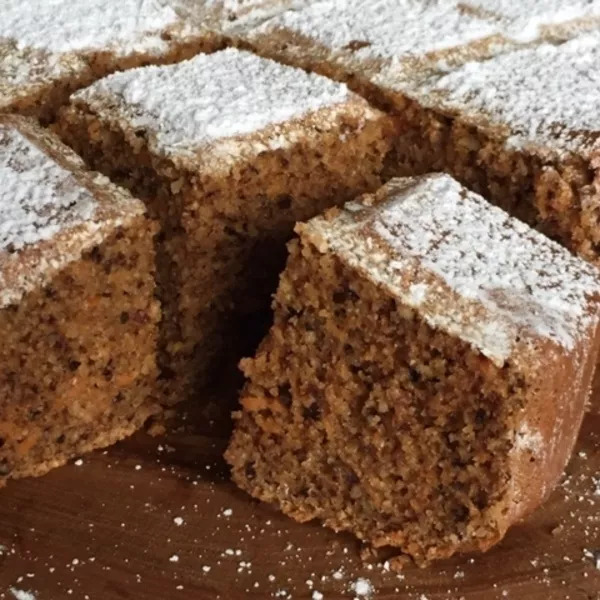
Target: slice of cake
<point>478,93</point>
<point>48,49</point>
<point>425,379</point>
<point>78,318</point>
<point>228,150</point>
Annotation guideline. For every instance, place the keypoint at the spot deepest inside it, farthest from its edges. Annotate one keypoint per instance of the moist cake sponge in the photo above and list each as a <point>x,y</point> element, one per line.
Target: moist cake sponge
<point>78,317</point>
<point>502,95</point>
<point>228,150</point>
<point>425,378</point>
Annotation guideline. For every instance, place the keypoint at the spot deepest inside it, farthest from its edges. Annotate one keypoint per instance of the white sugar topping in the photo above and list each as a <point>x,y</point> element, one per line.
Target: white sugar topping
<point>467,267</point>
<point>75,25</point>
<point>390,28</point>
<point>38,198</point>
<point>399,29</point>
<point>50,210</point>
<point>529,13</point>
<point>529,440</point>
<point>230,94</point>
<point>523,20</point>
<point>547,96</point>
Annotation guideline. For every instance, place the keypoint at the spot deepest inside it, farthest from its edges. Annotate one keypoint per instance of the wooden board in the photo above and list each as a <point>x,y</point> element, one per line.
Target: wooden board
<point>156,518</point>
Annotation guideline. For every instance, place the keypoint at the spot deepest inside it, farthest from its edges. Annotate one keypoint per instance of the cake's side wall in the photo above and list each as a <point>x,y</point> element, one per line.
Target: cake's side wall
<point>550,421</point>
<point>78,359</point>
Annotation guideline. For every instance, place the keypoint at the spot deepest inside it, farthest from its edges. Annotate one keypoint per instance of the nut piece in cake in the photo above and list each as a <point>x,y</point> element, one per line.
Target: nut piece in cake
<point>425,379</point>
<point>228,150</point>
<point>78,318</point>
<point>49,49</point>
<point>485,90</point>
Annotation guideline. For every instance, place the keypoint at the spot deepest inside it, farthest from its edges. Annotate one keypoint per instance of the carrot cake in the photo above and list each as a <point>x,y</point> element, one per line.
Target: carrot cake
<point>78,317</point>
<point>228,150</point>
<point>48,49</point>
<point>496,93</point>
<point>425,378</point>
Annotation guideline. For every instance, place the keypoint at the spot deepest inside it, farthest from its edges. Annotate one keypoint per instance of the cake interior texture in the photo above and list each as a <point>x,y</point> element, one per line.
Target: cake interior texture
<point>223,231</point>
<point>77,362</point>
<point>359,414</point>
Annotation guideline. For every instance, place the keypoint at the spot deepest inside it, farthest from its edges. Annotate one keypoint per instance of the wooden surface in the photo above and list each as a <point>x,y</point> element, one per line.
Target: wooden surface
<point>156,518</point>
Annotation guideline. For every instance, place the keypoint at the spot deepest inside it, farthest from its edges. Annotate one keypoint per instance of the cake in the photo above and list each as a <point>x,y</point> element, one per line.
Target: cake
<point>228,150</point>
<point>48,49</point>
<point>425,378</point>
<point>78,317</point>
<point>500,94</point>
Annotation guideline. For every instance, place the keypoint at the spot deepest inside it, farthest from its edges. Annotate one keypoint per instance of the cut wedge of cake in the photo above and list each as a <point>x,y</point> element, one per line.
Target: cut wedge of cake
<point>78,317</point>
<point>228,150</point>
<point>425,379</point>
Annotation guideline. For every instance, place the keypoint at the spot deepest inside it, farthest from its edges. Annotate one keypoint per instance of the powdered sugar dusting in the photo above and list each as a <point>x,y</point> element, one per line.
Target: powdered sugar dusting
<point>384,28</point>
<point>21,594</point>
<point>523,20</point>
<point>530,440</point>
<point>38,198</point>
<point>68,26</point>
<point>358,32</point>
<point>210,98</point>
<point>466,266</point>
<point>362,588</point>
<point>51,209</point>
<point>546,97</point>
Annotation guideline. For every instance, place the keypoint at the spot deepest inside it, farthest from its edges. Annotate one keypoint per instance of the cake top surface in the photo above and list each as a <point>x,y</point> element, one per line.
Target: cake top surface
<point>44,41</point>
<point>63,26</point>
<point>467,267</point>
<point>217,101</point>
<point>545,97</point>
<point>389,29</point>
<point>230,11</point>
<point>49,212</point>
<point>399,30</point>
<point>485,60</point>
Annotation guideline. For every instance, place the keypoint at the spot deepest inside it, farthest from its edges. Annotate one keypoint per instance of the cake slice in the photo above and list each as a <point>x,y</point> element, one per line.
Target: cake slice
<point>78,317</point>
<point>48,49</point>
<point>425,378</point>
<point>228,150</point>
<point>486,90</point>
